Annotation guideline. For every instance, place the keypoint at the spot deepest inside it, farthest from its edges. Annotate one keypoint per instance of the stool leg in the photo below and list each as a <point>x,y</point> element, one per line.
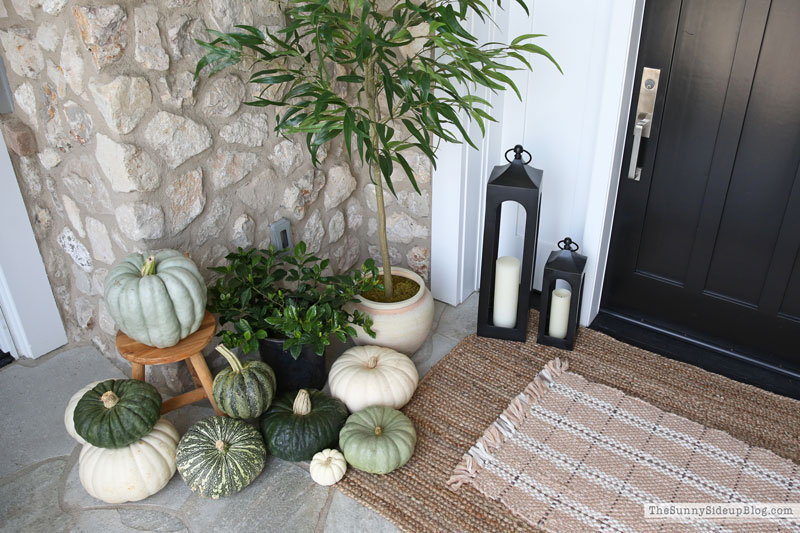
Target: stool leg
<point>137,371</point>
<point>195,377</point>
<point>200,366</point>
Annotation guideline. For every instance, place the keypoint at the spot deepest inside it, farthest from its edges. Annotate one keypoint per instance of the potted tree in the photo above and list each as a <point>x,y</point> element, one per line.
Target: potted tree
<point>280,303</point>
<point>413,71</point>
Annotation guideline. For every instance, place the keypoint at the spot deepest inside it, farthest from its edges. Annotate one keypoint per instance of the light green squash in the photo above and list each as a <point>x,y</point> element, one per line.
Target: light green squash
<point>378,439</point>
<point>156,299</point>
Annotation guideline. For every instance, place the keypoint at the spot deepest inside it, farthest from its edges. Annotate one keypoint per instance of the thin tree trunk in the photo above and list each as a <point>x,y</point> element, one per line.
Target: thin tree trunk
<point>375,169</point>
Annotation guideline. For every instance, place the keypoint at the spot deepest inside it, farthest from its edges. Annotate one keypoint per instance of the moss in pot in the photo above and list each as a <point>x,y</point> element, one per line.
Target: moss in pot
<point>279,303</point>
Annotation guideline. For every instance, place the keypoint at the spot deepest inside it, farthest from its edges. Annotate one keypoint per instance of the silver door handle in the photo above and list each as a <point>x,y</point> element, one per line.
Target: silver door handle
<point>644,116</point>
<point>634,172</point>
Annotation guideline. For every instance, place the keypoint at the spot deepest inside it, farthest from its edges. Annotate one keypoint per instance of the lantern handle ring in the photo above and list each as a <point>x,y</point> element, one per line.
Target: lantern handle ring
<point>567,244</point>
<point>518,151</point>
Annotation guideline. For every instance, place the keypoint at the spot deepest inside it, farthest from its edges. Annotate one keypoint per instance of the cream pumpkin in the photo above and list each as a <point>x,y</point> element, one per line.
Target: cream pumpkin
<point>69,423</point>
<point>133,472</point>
<point>372,375</point>
<point>327,467</point>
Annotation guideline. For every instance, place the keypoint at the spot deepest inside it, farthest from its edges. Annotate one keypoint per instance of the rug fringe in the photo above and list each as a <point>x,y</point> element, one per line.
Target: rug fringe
<point>506,424</point>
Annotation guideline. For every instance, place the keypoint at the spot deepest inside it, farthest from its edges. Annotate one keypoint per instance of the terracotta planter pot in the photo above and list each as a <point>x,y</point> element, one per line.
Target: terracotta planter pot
<point>306,372</point>
<point>402,326</point>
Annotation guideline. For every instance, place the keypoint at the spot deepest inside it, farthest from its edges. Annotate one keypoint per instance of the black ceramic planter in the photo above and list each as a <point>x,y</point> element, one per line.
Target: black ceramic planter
<point>305,372</point>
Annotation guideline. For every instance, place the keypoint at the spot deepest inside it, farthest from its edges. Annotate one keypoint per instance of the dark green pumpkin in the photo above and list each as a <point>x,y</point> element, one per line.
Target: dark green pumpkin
<point>301,423</point>
<point>220,456</point>
<point>245,390</point>
<point>117,412</point>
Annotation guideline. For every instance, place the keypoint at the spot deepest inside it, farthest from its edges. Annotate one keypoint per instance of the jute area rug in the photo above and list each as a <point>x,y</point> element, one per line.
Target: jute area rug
<point>470,387</point>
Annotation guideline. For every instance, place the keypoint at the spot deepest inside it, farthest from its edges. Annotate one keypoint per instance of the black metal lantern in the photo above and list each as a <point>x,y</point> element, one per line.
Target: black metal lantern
<point>561,307</point>
<point>505,301</point>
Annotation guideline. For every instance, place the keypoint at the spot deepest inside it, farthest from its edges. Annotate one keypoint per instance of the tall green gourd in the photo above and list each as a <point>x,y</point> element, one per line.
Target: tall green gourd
<point>245,390</point>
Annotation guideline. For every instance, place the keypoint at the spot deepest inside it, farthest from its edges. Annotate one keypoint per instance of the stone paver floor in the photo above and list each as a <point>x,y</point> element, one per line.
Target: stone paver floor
<point>40,490</point>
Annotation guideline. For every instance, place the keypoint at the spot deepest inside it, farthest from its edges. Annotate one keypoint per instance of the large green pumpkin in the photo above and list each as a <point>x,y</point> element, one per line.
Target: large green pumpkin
<point>378,439</point>
<point>156,299</point>
<point>245,390</point>
<point>220,456</point>
<point>301,423</point>
<point>117,412</point>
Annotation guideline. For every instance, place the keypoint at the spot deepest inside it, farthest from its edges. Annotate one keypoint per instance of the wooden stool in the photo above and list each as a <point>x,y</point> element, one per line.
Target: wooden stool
<point>189,350</point>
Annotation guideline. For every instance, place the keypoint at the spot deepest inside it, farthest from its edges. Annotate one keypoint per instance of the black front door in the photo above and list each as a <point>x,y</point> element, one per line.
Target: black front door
<point>705,243</point>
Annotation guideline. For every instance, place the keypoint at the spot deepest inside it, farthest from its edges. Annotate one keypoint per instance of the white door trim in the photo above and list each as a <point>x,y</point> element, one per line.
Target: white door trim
<point>26,297</point>
<point>620,68</point>
<point>460,177</point>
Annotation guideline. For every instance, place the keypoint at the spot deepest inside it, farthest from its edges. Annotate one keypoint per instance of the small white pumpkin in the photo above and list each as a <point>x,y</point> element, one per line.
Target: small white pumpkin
<point>327,467</point>
<point>131,473</point>
<point>69,423</point>
<point>364,376</point>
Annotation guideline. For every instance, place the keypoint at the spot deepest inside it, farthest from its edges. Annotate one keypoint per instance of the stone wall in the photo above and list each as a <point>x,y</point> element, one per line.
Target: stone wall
<point>129,153</point>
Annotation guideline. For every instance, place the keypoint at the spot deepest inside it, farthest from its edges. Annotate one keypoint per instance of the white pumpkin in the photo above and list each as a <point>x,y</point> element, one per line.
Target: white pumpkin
<point>69,423</point>
<point>131,473</point>
<point>327,467</point>
<point>364,376</point>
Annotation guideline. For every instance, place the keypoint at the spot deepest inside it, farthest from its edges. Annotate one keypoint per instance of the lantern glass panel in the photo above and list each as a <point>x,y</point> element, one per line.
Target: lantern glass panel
<point>512,229</point>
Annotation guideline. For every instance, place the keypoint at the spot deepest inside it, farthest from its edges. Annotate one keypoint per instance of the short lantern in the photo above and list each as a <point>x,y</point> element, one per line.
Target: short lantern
<point>561,306</point>
<point>506,282</point>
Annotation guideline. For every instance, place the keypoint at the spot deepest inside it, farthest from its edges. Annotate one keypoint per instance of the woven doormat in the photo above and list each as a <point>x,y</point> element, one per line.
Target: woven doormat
<point>470,387</point>
<point>571,455</point>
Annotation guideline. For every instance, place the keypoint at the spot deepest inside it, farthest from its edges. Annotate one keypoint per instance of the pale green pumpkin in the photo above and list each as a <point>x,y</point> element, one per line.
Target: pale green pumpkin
<point>378,439</point>
<point>156,299</point>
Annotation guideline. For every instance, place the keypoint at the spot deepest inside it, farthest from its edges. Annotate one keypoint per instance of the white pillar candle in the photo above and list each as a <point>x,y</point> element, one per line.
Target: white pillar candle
<point>559,313</point>
<point>506,291</point>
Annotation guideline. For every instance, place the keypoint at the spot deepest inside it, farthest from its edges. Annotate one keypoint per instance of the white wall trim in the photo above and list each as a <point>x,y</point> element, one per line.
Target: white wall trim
<point>462,174</point>
<point>581,172</point>
<point>26,297</point>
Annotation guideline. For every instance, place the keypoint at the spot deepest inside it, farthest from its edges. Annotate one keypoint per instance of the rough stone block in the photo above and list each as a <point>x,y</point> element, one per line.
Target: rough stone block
<point>19,137</point>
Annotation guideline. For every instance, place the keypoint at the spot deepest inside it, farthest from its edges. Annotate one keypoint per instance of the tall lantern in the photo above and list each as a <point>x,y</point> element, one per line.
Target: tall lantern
<point>561,306</point>
<point>506,282</point>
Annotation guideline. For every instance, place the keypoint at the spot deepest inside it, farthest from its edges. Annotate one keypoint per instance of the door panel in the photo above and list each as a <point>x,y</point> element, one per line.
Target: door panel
<point>766,165</point>
<point>706,243</point>
<point>696,88</point>
<point>791,303</point>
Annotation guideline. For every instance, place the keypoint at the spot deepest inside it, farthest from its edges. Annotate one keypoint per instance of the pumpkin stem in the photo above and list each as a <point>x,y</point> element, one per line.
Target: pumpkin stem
<point>109,399</point>
<point>149,267</point>
<point>302,403</point>
<point>229,356</point>
<point>372,362</point>
<point>379,431</point>
<point>221,445</point>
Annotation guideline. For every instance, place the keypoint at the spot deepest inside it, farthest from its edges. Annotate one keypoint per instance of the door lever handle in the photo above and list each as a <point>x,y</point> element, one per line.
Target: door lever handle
<point>644,116</point>
<point>635,172</point>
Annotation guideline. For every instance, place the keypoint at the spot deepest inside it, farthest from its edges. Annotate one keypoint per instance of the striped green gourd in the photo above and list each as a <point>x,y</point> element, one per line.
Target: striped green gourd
<point>117,412</point>
<point>301,423</point>
<point>156,299</point>
<point>378,439</point>
<point>245,390</point>
<point>220,456</point>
